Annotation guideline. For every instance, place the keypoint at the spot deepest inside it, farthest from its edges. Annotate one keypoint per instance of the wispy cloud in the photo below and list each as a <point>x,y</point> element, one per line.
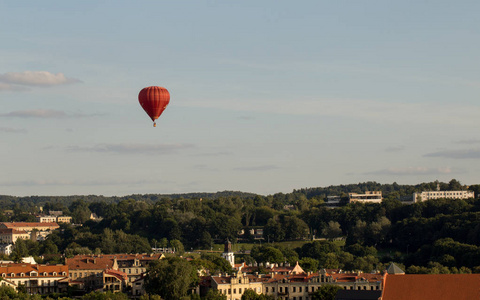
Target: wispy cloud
<point>45,114</point>
<point>257,168</point>
<point>457,154</point>
<point>35,78</point>
<point>470,142</point>
<point>355,109</point>
<point>412,171</point>
<point>10,87</point>
<point>213,154</point>
<point>132,148</point>
<point>12,130</point>
<point>395,149</point>
<point>36,113</point>
<point>47,182</point>
<point>204,167</point>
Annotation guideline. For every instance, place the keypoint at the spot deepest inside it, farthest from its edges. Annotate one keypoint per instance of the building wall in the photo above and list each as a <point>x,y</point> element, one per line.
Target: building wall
<point>430,195</point>
<point>371,197</point>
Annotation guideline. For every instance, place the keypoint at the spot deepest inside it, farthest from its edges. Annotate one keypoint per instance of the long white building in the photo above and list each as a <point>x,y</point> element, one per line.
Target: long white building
<point>429,195</point>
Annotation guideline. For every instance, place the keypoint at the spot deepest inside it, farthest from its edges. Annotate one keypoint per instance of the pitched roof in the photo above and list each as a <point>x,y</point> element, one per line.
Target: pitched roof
<point>431,286</point>
<point>42,270</point>
<point>394,269</point>
<point>14,225</point>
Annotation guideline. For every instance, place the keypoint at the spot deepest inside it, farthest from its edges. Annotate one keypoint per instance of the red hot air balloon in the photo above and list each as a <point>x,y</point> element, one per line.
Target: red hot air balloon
<point>154,100</point>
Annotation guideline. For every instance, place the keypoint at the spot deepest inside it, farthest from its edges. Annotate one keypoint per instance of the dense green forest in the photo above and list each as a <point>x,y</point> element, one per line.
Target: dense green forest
<point>436,236</point>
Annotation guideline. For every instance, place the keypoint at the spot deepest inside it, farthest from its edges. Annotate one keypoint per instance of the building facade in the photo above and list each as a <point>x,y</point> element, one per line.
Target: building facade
<point>430,195</point>
<point>369,196</point>
<point>36,279</point>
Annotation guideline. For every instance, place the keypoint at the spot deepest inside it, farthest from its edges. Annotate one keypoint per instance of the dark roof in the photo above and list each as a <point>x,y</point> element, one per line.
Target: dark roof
<point>358,295</point>
<point>394,269</point>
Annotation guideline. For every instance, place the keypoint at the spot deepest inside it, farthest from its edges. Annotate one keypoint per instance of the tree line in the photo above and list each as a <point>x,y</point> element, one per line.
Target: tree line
<point>433,236</point>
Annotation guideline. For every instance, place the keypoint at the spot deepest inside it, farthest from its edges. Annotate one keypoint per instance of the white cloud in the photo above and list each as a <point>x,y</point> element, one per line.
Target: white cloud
<point>35,78</point>
<point>133,148</point>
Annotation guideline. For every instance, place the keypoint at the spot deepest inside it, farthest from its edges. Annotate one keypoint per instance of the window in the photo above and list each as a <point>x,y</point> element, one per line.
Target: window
<point>266,289</point>
<point>294,290</point>
<point>240,291</point>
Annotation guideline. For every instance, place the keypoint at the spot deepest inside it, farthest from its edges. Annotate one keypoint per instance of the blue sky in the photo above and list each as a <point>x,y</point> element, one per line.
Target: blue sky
<point>266,96</point>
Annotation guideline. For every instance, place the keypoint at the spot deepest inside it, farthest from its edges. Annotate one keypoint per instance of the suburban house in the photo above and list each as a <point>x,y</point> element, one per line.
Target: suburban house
<point>37,279</point>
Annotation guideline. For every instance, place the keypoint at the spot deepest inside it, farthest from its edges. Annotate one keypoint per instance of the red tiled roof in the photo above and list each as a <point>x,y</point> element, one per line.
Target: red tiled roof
<point>434,286</point>
<point>18,269</point>
<point>119,274</point>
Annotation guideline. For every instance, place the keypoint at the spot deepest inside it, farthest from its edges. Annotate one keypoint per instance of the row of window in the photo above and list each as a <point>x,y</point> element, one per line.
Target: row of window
<point>229,291</point>
<point>34,274</point>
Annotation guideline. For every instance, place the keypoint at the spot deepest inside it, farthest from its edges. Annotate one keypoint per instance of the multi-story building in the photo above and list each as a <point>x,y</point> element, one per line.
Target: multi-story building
<point>234,286</point>
<point>290,284</point>
<point>123,269</point>
<point>53,219</point>
<point>30,226</point>
<point>36,279</point>
<point>369,196</point>
<point>10,236</point>
<point>430,195</point>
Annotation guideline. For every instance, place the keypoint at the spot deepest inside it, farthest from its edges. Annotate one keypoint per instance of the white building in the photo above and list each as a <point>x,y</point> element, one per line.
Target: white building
<point>228,253</point>
<point>430,195</point>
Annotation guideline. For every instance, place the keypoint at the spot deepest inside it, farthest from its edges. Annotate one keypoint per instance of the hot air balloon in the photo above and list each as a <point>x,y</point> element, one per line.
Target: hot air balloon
<point>154,100</point>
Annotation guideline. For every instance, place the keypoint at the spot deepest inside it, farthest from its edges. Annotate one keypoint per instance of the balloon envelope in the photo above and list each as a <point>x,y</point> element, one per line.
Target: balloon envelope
<point>154,100</point>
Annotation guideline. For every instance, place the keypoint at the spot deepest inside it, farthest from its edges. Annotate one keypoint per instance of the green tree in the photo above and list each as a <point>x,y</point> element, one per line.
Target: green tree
<point>332,230</point>
<point>171,278</point>
<point>250,294</point>
<point>214,294</point>
<point>309,264</point>
<point>178,246</point>
<point>20,250</point>
<point>326,292</point>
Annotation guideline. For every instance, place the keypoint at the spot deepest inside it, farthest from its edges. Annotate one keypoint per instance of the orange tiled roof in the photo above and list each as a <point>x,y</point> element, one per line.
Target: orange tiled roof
<point>119,274</point>
<point>18,269</point>
<point>104,261</point>
<point>14,225</point>
<point>434,286</point>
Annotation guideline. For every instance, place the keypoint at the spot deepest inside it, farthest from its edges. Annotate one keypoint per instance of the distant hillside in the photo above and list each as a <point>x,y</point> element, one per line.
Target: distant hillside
<point>389,191</point>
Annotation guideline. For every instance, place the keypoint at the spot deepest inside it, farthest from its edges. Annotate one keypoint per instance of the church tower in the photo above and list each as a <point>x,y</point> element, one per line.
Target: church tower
<point>228,253</point>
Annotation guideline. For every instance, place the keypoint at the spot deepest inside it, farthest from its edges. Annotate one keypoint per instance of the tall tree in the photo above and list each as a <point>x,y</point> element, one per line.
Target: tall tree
<point>171,278</point>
